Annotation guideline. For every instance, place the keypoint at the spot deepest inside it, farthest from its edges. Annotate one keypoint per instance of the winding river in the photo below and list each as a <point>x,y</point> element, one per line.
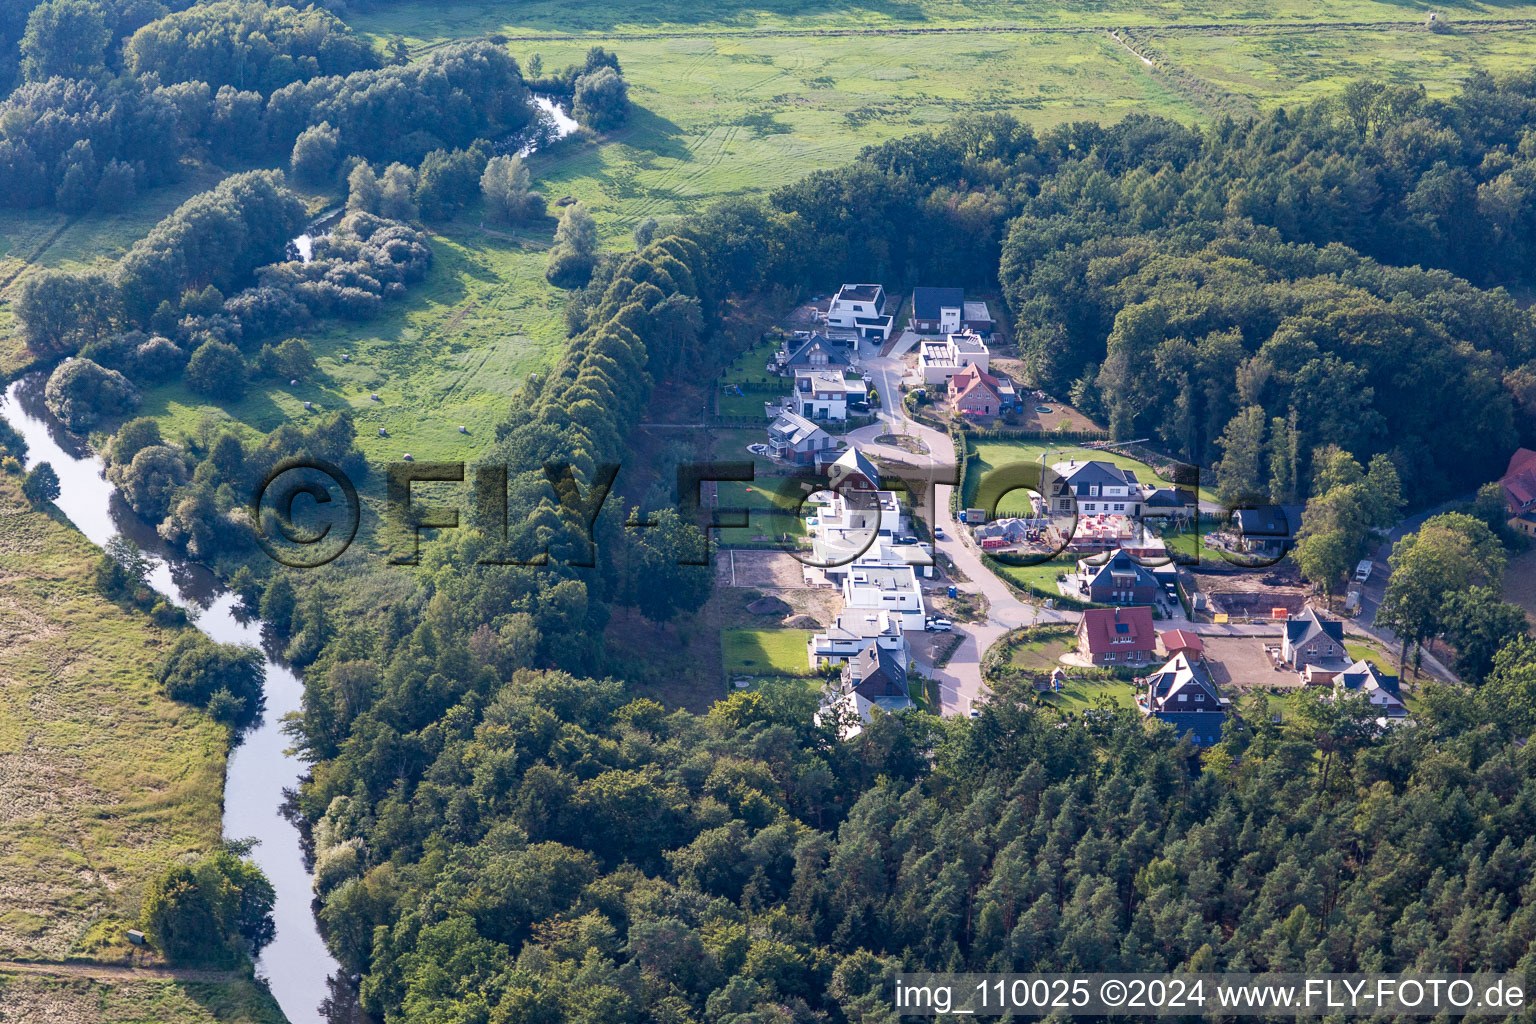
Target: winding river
<point>305,979</point>
<point>296,964</point>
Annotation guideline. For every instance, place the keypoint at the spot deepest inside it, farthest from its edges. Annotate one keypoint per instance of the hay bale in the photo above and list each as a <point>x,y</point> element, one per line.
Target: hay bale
<point>769,606</point>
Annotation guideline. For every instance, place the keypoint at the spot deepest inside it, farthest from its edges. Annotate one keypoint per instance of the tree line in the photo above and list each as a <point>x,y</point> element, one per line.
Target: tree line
<point>503,834</point>
<point>77,142</point>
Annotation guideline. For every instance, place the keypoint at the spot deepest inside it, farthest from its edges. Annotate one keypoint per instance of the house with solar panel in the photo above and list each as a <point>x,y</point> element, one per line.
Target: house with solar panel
<point>1183,694</point>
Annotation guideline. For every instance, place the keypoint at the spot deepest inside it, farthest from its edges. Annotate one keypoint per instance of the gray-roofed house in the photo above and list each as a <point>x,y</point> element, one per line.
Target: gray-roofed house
<point>1383,690</point>
<point>944,310</point>
<point>853,472</point>
<point>816,352</point>
<point>853,632</point>
<point>1183,694</point>
<point>1267,529</point>
<point>1168,503</point>
<point>825,394</point>
<point>1312,640</point>
<point>875,672</point>
<point>1099,488</point>
<point>794,439</point>
<point>1119,580</point>
<point>860,308</point>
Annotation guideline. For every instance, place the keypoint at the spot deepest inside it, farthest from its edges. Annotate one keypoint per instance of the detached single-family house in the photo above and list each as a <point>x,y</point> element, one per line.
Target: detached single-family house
<point>1120,580</point>
<point>944,310</point>
<point>939,360</point>
<point>976,395</point>
<point>852,633</point>
<point>1098,488</point>
<point>1168,503</point>
<point>881,588</point>
<point>861,308</point>
<point>875,672</point>
<point>825,394</point>
<point>1383,690</point>
<point>853,472</point>
<point>851,525</point>
<point>811,352</point>
<point>1266,529</point>
<point>1519,486</point>
<point>1311,640</point>
<point>796,440</point>
<point>853,711</point>
<point>1183,694</point>
<point>1117,636</point>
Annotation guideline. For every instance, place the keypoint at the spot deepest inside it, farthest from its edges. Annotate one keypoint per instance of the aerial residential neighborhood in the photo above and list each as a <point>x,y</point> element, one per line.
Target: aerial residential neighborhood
<point>766,514</point>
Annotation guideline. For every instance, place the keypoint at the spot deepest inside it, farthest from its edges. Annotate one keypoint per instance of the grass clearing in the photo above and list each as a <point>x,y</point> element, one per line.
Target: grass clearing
<point>1043,653</point>
<point>91,1001</point>
<point>103,780</point>
<point>1078,695</point>
<point>760,652</point>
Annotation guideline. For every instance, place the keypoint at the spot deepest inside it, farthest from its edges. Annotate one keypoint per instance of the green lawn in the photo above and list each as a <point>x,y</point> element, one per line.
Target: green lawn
<point>422,22</point>
<point>1039,578</point>
<point>1042,654</point>
<point>774,510</point>
<point>38,998</point>
<point>450,354</point>
<point>1292,67</point>
<point>759,652</point>
<point>1370,652</point>
<point>103,779</point>
<point>1080,694</point>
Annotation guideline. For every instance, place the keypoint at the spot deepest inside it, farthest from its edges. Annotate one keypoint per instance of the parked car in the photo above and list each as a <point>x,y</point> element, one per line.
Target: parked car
<point>938,625</point>
<point>938,533</point>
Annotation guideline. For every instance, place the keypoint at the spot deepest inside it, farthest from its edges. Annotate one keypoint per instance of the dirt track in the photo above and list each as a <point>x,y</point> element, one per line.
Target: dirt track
<point>114,972</point>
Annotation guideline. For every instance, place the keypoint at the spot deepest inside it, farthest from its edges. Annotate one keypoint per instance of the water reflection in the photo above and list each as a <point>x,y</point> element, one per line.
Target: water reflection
<point>303,976</point>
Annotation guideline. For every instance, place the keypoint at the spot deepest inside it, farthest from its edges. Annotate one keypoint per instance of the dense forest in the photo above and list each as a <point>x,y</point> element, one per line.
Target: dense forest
<point>505,832</point>
<point>502,834</point>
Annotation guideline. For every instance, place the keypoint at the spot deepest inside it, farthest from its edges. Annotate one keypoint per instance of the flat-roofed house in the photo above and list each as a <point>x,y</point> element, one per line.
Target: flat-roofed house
<point>860,308</point>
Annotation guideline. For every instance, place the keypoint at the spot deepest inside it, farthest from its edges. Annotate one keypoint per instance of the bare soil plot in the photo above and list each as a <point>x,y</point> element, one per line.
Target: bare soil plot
<point>1240,662</point>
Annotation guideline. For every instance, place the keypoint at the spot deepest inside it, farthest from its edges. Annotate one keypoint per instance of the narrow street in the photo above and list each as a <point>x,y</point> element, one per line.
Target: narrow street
<point>960,683</point>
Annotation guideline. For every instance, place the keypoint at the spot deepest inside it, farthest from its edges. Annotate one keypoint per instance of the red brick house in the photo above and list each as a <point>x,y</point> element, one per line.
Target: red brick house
<point>1519,486</point>
<point>1117,636</point>
<point>975,393</point>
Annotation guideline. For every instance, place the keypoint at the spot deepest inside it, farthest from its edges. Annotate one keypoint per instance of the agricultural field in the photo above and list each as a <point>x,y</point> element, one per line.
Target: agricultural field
<point>103,780</point>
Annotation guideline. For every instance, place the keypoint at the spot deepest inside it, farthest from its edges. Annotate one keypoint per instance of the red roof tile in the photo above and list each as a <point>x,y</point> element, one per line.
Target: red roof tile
<point>1101,627</point>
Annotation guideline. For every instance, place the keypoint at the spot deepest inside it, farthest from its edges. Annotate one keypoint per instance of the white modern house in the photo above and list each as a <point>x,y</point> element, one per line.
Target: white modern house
<point>1101,488</point>
<point>878,588</point>
<point>940,359</point>
<point>852,524</point>
<point>824,395</point>
<point>860,308</point>
<point>854,631</point>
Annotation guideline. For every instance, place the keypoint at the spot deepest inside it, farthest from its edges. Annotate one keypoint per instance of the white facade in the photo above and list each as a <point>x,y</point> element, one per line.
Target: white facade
<point>859,308</point>
<point>937,361</point>
<point>855,631</point>
<point>823,395</point>
<point>885,589</point>
<point>854,524</point>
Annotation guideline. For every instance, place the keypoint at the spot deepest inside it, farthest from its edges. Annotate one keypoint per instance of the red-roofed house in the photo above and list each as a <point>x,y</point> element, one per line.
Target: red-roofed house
<point>1182,641</point>
<point>1519,484</point>
<point>975,393</point>
<point>1117,636</point>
